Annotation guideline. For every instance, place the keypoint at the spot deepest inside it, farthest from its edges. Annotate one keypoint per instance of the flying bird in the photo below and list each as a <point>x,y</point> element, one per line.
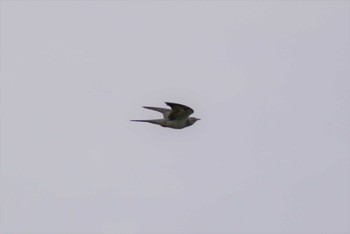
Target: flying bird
<point>177,117</point>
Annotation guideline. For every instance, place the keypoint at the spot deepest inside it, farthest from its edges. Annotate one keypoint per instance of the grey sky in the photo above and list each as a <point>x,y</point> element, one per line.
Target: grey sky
<point>270,81</point>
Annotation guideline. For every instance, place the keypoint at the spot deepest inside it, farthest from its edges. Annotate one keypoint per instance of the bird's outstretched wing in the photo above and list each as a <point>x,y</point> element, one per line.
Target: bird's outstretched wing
<point>179,111</point>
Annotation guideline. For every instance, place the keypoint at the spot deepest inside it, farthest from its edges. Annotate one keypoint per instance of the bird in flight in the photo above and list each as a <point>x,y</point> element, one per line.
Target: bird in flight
<point>177,117</point>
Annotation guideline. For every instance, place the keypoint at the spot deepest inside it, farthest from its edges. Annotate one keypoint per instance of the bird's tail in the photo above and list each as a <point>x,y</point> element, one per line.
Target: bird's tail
<point>153,121</point>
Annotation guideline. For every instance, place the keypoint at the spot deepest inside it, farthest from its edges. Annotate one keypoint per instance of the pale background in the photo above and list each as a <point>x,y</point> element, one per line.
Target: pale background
<point>269,79</point>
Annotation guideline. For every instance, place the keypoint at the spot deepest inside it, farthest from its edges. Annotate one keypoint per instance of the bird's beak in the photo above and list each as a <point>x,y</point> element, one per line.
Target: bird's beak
<point>198,119</point>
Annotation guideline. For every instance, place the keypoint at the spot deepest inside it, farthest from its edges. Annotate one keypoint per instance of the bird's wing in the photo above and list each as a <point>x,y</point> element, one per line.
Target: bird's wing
<point>179,111</point>
<point>164,111</point>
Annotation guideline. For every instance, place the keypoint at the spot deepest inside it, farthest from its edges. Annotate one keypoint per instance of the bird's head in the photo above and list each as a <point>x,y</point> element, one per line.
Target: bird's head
<point>192,120</point>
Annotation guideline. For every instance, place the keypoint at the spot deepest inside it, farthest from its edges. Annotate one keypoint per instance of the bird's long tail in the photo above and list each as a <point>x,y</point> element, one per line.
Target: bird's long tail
<point>153,121</point>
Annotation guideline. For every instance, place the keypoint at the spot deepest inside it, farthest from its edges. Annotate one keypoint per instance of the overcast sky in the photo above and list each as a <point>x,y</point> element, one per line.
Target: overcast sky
<point>269,79</point>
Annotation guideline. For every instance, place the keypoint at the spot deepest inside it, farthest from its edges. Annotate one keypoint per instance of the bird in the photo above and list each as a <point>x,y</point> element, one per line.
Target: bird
<point>177,117</point>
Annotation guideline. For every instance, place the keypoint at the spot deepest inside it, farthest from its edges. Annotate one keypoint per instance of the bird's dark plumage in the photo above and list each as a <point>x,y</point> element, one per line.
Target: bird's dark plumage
<point>177,117</point>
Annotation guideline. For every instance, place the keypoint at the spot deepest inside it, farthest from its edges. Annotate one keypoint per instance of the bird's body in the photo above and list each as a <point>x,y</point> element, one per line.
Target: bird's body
<point>177,117</point>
